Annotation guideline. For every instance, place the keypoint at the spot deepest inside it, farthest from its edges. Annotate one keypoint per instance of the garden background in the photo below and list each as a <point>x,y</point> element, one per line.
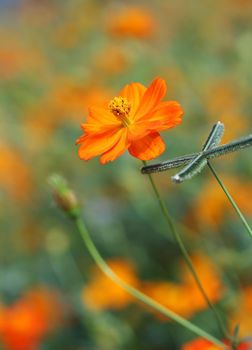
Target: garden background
<point>56,59</point>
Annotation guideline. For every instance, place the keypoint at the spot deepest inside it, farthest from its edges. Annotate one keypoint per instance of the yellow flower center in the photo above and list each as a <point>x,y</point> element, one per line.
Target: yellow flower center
<point>120,107</point>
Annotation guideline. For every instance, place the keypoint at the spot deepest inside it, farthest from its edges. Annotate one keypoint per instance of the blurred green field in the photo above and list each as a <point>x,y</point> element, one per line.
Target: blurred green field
<point>56,59</point>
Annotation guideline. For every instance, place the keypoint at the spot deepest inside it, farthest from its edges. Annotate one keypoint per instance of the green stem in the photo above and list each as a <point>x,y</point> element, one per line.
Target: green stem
<point>135,292</point>
<point>185,253</point>
<point>231,200</point>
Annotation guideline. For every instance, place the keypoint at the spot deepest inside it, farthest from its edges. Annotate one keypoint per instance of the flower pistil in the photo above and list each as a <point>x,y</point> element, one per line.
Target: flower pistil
<point>120,107</point>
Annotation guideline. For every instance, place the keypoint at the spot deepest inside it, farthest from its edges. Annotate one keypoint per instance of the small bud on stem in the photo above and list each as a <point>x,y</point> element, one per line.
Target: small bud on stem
<point>64,196</point>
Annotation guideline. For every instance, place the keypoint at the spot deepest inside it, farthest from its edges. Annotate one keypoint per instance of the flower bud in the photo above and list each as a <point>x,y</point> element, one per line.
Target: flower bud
<point>64,196</point>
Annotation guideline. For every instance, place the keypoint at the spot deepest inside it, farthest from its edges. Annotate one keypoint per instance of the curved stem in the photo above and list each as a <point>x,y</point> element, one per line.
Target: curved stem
<point>185,253</point>
<point>231,200</point>
<point>135,292</point>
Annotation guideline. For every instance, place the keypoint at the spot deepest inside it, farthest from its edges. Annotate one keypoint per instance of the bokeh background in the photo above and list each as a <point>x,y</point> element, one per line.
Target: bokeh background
<point>57,58</point>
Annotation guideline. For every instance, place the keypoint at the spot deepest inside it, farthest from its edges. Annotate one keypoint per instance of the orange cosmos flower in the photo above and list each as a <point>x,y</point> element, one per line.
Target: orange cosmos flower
<point>24,324</point>
<point>174,296</point>
<point>242,316</point>
<point>134,22</point>
<point>185,298</point>
<point>211,205</point>
<point>132,120</point>
<point>102,293</point>
<point>202,344</point>
<point>210,279</point>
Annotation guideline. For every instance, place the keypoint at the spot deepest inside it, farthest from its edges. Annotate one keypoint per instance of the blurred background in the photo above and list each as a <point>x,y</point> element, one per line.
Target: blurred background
<point>56,59</point>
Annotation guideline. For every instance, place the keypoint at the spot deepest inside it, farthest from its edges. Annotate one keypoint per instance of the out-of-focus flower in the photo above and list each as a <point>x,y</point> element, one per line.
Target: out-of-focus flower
<point>235,126</point>
<point>212,205</point>
<point>174,296</point>
<point>200,344</point>
<point>243,315</point>
<point>223,100</point>
<point>209,278</point>
<point>203,344</point>
<point>24,323</point>
<point>66,102</point>
<point>102,293</point>
<point>185,298</point>
<point>239,9</point>
<point>133,22</point>
<point>15,176</point>
<point>222,96</point>
<point>132,121</point>
<point>70,99</point>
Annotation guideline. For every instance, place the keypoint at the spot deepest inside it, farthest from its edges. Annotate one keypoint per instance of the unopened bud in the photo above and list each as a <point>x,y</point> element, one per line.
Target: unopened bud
<point>64,196</point>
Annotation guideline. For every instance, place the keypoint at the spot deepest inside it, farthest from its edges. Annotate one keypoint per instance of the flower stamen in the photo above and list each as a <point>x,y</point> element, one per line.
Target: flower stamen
<point>120,107</point>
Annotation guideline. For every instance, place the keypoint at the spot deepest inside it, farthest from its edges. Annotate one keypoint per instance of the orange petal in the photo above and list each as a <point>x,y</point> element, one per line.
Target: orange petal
<point>80,139</point>
<point>165,116</point>
<point>93,145</point>
<point>100,120</point>
<point>134,93</point>
<point>136,132</point>
<point>98,128</point>
<point>116,150</point>
<point>101,114</point>
<point>148,147</point>
<point>152,97</point>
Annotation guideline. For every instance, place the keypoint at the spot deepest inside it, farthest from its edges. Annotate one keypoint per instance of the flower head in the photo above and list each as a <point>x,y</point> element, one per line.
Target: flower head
<point>25,323</point>
<point>94,295</point>
<point>184,298</point>
<point>212,205</point>
<point>134,22</point>
<point>242,315</point>
<point>130,121</point>
<point>200,344</point>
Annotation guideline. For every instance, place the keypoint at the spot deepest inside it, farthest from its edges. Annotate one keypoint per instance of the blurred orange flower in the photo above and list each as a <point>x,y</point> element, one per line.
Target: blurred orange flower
<point>133,22</point>
<point>243,315</point>
<point>15,175</point>
<point>69,98</point>
<point>202,344</point>
<point>224,99</point>
<point>185,298</point>
<point>102,293</point>
<point>66,102</point>
<point>209,277</point>
<point>24,324</point>
<point>222,96</point>
<point>130,121</point>
<point>174,296</point>
<point>235,126</point>
<point>212,205</point>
